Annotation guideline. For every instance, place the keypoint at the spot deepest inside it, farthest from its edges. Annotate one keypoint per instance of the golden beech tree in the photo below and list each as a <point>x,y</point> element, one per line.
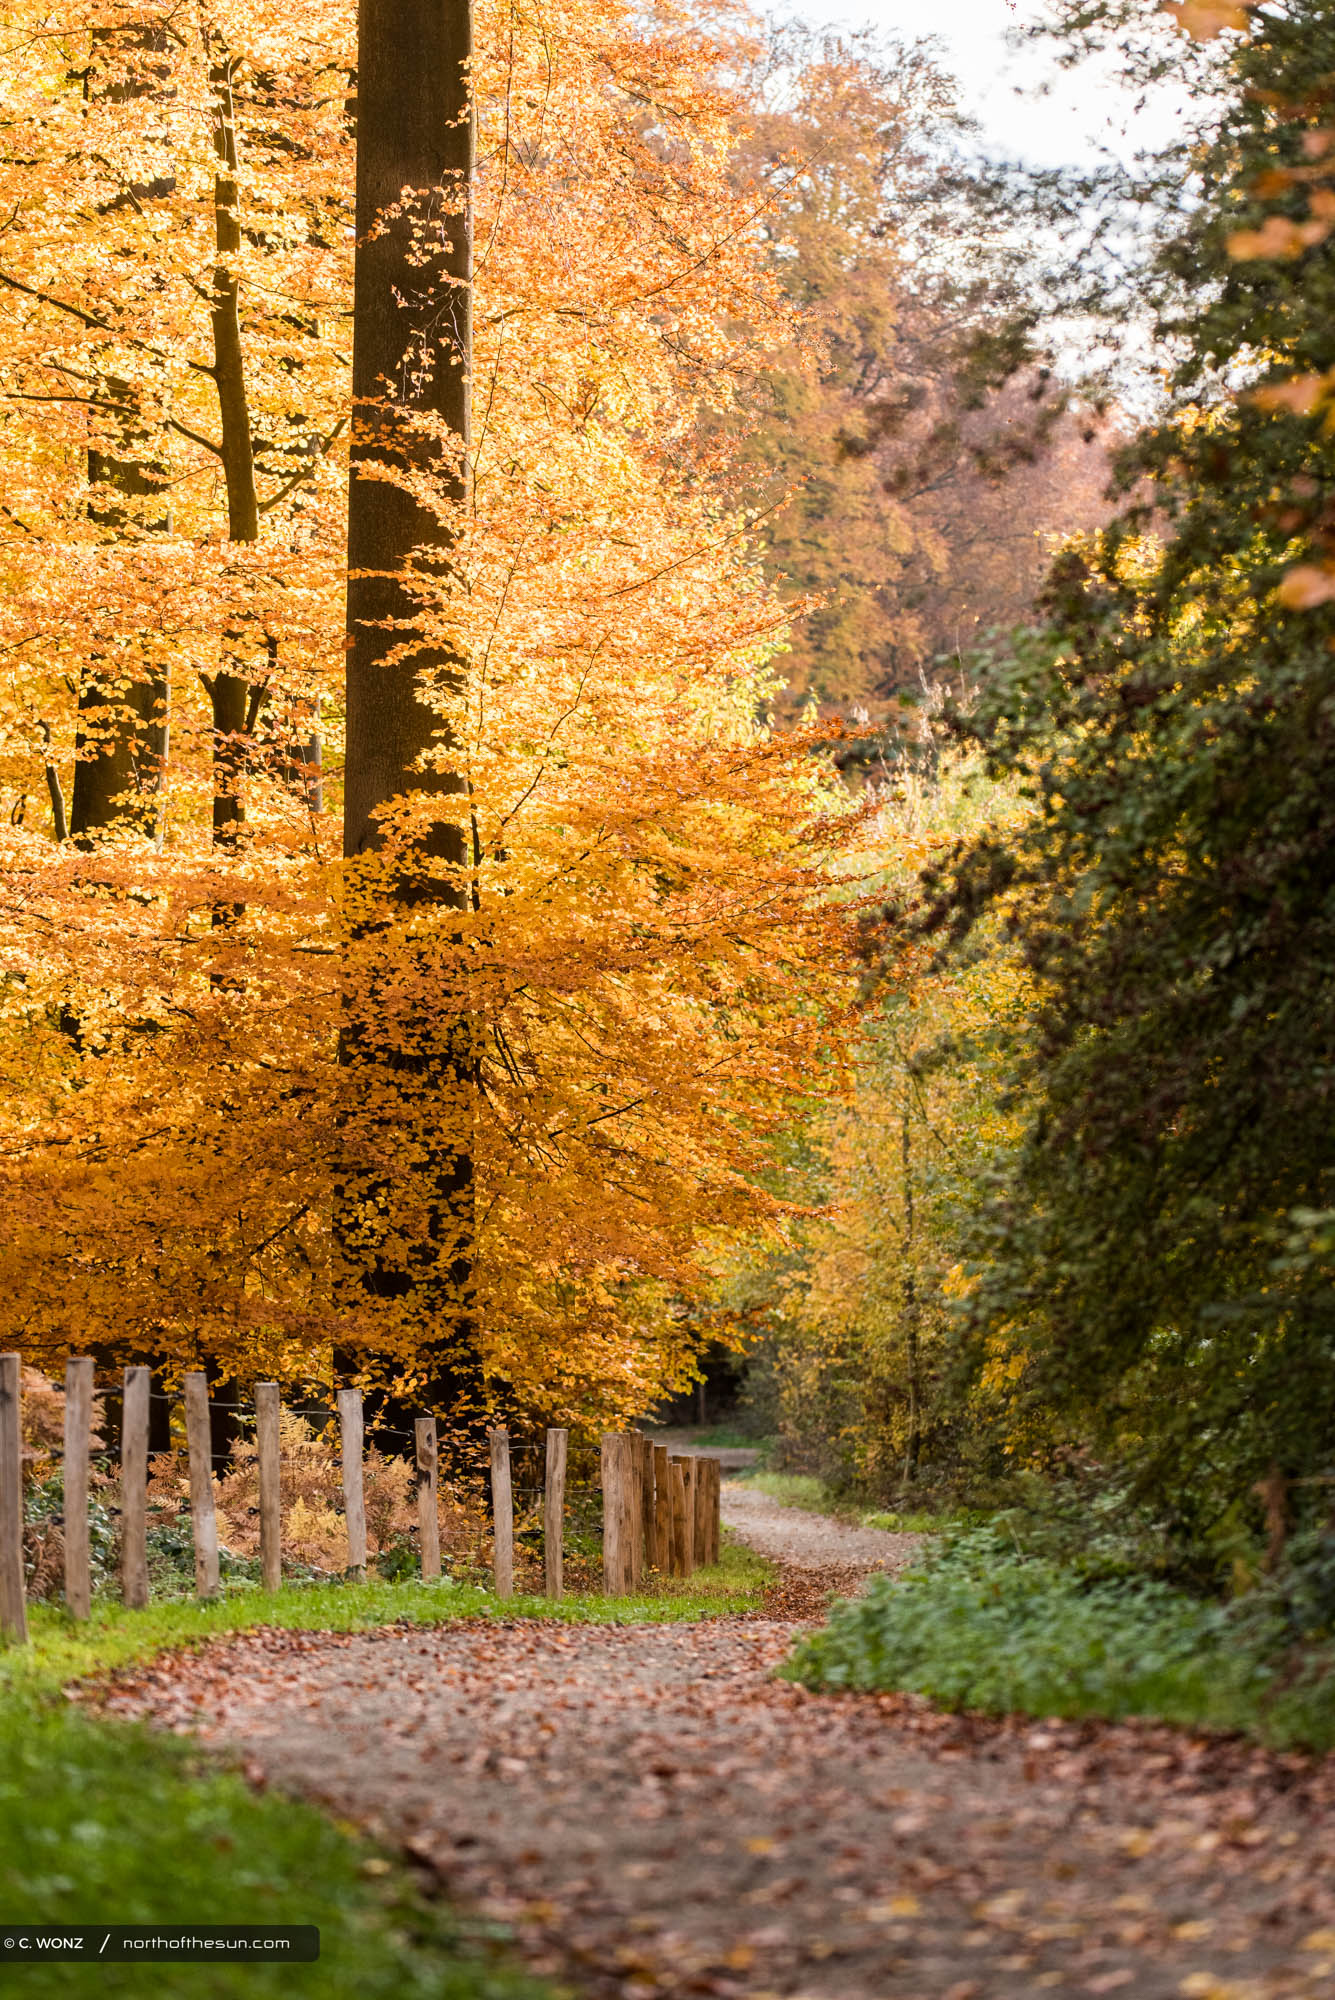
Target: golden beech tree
<point>626,962</point>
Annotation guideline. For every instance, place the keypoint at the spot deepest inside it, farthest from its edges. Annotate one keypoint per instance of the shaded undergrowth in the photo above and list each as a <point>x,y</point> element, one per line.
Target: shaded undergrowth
<point>982,1625</point>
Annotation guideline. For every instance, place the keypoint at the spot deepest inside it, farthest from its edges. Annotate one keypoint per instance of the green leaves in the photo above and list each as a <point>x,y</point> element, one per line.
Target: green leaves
<point>985,1627</point>
<point>1173,894</point>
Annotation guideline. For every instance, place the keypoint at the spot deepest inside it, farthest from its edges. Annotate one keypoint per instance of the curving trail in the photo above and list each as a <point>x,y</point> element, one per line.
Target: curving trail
<point>803,1540</point>
<point>655,1815</point>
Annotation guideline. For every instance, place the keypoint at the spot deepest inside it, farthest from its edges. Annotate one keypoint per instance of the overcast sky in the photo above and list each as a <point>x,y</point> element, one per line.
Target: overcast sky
<point>1028,107</point>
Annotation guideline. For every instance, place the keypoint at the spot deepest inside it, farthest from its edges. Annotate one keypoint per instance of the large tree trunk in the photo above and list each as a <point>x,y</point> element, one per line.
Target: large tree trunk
<point>412,355</point>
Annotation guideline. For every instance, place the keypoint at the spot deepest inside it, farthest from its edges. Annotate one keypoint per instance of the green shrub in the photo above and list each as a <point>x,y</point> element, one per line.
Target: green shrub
<point>44,1537</point>
<point>984,1626</point>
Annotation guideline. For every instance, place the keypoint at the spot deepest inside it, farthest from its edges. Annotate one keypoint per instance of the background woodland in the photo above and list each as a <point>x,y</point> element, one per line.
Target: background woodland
<point>854,918</point>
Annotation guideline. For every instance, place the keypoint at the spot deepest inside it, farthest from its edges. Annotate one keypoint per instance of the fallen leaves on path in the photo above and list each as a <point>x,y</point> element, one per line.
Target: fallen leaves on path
<point>653,1815</point>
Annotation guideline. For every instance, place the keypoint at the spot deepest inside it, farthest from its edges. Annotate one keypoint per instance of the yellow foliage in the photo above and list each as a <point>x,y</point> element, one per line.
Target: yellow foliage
<point>648,970</point>
<point>859,1313</point>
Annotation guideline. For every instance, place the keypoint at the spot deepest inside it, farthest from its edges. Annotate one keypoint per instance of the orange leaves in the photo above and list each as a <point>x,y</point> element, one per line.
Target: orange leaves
<point>1301,394</point>
<point>1206,19</point>
<point>1280,237</point>
<point>649,962</point>
<point>1306,586</point>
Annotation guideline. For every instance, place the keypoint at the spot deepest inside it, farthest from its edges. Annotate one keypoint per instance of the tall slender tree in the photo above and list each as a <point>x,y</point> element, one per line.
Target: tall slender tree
<point>123,713</point>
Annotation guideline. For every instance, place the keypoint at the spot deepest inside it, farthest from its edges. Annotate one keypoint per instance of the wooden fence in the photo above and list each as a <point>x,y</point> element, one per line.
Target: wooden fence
<point>660,1512</point>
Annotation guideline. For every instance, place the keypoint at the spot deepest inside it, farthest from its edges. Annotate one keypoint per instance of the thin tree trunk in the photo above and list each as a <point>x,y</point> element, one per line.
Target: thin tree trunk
<point>122,732</point>
<point>230,693</point>
<point>913,1449</point>
<point>412,356</point>
<point>122,736</point>
<point>59,817</point>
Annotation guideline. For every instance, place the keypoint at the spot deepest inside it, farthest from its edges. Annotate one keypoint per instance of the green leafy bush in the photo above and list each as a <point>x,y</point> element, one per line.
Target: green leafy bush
<point>985,1626</point>
<point>171,1561</point>
<point>44,1537</point>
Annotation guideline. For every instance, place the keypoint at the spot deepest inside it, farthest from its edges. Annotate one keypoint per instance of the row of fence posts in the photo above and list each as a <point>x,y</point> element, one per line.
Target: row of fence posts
<point>659,1512</point>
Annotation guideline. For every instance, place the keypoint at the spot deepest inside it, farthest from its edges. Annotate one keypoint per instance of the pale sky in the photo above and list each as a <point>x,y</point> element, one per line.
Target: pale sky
<point>1027,105</point>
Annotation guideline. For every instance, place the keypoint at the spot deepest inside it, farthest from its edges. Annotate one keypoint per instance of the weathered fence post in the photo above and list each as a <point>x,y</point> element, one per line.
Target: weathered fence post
<point>428,1510</point>
<point>199,1444</point>
<point>271,1496</point>
<point>683,1538</point>
<point>13,1606</point>
<point>648,1516</point>
<point>621,1518</point>
<point>662,1510</point>
<point>136,1386</point>
<point>554,1513</point>
<point>74,1484</point>
<point>635,1501</point>
<point>352,1432</point>
<point>502,1514</point>
<point>701,1499</point>
<point>690,1472</point>
<point>715,1510</point>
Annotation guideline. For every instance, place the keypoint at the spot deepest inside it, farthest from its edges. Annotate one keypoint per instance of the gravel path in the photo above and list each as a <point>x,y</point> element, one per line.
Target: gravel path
<point>802,1540</point>
<point>655,1815</point>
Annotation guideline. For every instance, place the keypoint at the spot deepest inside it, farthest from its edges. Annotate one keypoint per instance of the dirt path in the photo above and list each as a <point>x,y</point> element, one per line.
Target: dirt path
<point>655,1815</point>
<point>803,1540</point>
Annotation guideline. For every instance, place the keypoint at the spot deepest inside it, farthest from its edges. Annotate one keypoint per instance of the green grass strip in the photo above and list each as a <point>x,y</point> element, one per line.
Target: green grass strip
<point>62,1650</point>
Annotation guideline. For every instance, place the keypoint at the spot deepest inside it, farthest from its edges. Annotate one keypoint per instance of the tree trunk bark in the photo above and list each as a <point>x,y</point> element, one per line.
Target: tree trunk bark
<point>411,354</point>
<point>412,358</point>
<point>230,693</point>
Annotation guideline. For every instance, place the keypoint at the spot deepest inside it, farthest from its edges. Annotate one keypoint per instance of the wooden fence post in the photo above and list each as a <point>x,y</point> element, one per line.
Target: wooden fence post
<point>13,1605</point>
<point>648,1514</point>
<point>690,1472</point>
<point>78,1433</point>
<point>502,1514</point>
<point>683,1536</point>
<point>136,1386</point>
<point>352,1431</point>
<point>701,1500</point>
<point>428,1509</point>
<point>715,1510</point>
<point>271,1496</point>
<point>199,1444</point>
<point>611,1521</point>
<point>635,1503</point>
<point>662,1510</point>
<point>554,1513</point>
<point>621,1516</point>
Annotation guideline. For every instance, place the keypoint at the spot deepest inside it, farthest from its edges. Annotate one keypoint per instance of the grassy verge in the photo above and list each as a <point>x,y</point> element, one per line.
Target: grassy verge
<point>982,1628</point>
<point>800,1489</point>
<point>104,1822</point>
<point>796,1489</point>
<point>719,1437</point>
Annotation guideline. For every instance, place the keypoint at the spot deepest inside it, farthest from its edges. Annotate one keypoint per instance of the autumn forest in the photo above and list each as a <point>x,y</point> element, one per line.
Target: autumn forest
<point>664,783</point>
